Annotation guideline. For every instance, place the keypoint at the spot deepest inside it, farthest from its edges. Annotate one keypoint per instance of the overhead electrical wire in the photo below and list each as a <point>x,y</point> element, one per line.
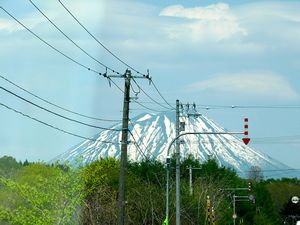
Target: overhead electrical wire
<point>252,142</point>
<point>54,48</point>
<point>266,107</point>
<point>272,170</point>
<point>89,55</point>
<point>278,137</point>
<point>162,96</point>
<point>77,62</point>
<point>115,84</point>
<point>73,42</point>
<point>277,142</point>
<point>248,106</point>
<point>150,96</point>
<point>136,145</point>
<point>57,114</point>
<point>148,108</point>
<point>135,101</point>
<point>292,139</point>
<point>110,52</point>
<point>54,127</point>
<point>97,40</point>
<point>139,137</point>
<point>268,175</point>
<point>153,103</point>
<point>53,104</point>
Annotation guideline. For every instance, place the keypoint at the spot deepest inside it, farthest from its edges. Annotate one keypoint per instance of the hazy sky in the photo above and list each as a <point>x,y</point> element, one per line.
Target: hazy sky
<point>244,53</point>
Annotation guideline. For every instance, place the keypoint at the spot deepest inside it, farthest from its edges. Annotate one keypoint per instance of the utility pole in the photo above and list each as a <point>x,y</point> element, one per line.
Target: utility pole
<point>123,163</point>
<point>167,173</point>
<point>191,179</point>
<point>176,140</point>
<point>168,161</point>
<point>177,166</point>
<point>234,216</point>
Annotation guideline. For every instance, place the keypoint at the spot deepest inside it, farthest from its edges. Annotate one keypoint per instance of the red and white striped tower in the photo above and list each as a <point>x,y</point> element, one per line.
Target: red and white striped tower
<point>246,139</point>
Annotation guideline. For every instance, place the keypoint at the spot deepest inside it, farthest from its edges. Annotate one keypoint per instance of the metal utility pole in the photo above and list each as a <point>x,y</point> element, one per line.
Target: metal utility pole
<point>177,166</point>
<point>234,212</point>
<point>191,179</point>
<point>168,161</point>
<point>122,177</point>
<point>167,173</point>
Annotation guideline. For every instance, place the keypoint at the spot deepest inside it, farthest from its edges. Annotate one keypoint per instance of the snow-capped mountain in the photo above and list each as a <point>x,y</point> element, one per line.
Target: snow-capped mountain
<point>151,134</point>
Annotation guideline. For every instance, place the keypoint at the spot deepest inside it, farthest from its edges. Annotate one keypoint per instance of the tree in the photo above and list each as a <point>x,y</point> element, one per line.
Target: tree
<point>8,166</point>
<point>40,194</point>
<point>100,192</point>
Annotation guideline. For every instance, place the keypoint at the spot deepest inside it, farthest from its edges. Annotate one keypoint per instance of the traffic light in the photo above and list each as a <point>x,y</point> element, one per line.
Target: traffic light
<point>250,187</point>
<point>251,196</point>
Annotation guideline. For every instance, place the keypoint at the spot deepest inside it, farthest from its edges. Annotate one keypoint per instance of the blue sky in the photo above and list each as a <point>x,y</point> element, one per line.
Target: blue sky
<point>212,53</point>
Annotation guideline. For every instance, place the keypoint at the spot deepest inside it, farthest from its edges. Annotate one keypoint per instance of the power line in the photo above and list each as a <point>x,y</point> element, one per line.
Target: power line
<point>207,107</point>
<point>74,17</point>
<point>54,48</point>
<point>97,40</point>
<point>267,106</point>
<point>56,128</point>
<point>148,108</point>
<point>252,142</point>
<point>139,137</point>
<point>278,137</point>
<point>73,42</point>
<point>292,139</point>
<point>172,107</point>
<point>271,170</point>
<point>153,103</point>
<point>53,104</point>
<point>136,145</point>
<point>150,96</point>
<point>279,173</point>
<point>81,64</point>
<point>115,84</point>
<point>57,114</point>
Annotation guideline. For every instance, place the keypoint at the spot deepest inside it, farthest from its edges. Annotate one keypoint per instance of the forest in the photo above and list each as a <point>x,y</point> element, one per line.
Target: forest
<point>37,193</point>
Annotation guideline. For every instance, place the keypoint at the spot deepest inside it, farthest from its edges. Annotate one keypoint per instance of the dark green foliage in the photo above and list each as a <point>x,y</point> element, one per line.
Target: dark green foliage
<point>8,166</point>
<point>262,204</point>
<point>29,190</point>
<point>145,194</point>
<point>26,163</point>
<point>149,171</point>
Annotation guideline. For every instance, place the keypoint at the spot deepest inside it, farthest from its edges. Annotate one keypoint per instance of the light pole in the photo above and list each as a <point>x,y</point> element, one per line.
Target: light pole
<point>234,216</point>
<point>168,167</point>
<point>167,187</point>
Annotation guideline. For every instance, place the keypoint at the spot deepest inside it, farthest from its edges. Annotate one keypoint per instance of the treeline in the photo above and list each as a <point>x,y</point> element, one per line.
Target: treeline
<point>38,193</point>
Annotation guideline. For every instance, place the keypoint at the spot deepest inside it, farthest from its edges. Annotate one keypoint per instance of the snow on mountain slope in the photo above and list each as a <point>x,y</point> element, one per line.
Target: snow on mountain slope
<point>154,132</point>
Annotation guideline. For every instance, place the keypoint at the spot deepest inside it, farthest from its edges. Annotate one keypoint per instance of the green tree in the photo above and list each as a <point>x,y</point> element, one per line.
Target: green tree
<point>100,192</point>
<point>40,194</point>
<point>8,166</point>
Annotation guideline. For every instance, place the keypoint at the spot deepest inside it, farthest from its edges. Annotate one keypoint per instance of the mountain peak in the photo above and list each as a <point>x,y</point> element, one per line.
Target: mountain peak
<point>152,133</point>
